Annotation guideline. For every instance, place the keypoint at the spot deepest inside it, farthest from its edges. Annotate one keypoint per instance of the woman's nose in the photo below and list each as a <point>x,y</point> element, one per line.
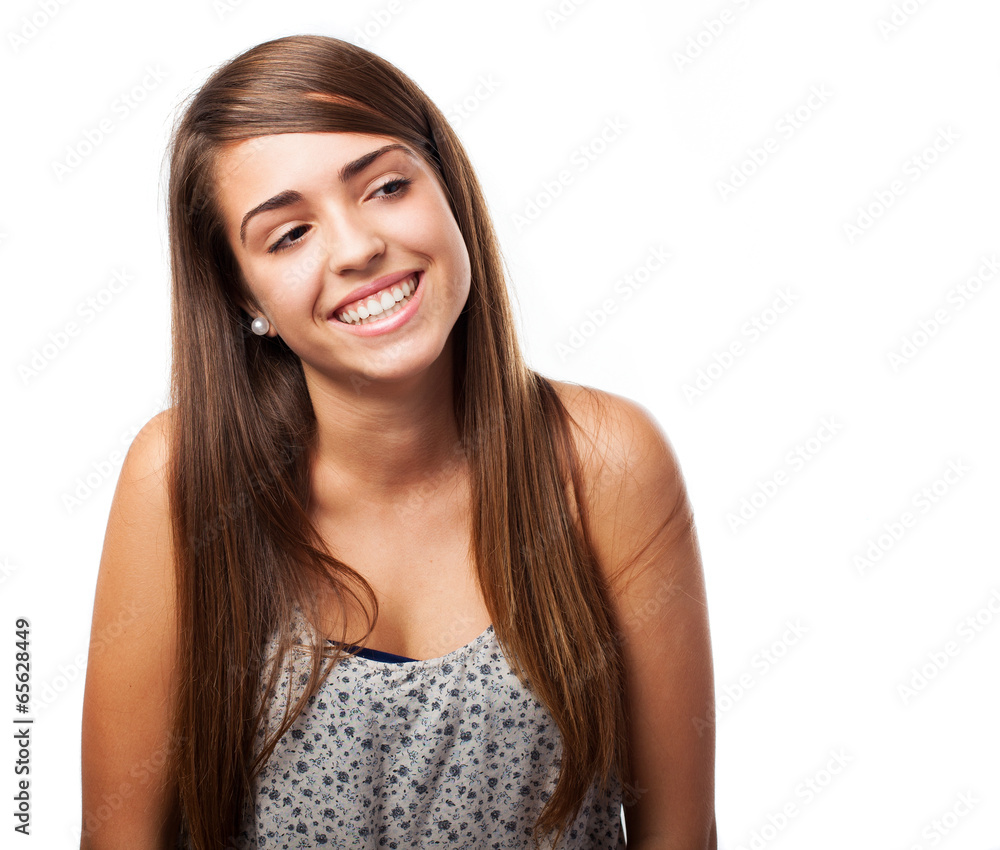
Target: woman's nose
<point>352,243</point>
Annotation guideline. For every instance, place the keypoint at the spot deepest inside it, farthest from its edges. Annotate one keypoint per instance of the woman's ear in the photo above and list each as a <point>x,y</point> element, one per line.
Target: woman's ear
<point>252,311</point>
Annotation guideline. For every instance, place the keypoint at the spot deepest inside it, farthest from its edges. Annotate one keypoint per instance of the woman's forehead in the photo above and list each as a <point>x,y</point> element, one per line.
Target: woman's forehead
<point>273,163</point>
<point>280,148</point>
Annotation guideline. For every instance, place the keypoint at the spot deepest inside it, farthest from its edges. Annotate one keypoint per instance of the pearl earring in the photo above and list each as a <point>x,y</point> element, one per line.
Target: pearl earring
<point>260,326</point>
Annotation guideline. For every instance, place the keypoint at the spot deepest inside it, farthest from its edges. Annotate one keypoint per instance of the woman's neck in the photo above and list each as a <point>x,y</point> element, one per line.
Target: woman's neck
<point>378,441</point>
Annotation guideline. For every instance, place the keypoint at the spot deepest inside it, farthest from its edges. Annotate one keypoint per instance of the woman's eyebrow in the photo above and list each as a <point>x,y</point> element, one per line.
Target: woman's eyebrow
<point>347,173</point>
<point>282,199</point>
<point>353,169</point>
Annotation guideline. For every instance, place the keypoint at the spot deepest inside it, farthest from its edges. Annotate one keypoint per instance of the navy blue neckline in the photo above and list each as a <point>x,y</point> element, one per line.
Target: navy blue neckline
<point>378,654</point>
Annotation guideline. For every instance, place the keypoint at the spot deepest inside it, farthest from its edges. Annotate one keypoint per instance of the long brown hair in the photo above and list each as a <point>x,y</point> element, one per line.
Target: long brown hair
<point>246,550</point>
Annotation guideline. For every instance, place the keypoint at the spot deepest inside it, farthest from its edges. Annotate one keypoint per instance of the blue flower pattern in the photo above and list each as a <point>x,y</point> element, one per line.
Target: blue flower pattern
<point>445,752</point>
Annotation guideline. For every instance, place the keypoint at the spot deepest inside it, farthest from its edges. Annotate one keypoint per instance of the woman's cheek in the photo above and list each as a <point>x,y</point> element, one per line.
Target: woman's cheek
<point>301,271</point>
<point>292,285</point>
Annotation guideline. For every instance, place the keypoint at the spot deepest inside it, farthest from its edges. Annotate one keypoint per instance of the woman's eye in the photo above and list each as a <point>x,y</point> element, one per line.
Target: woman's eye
<point>392,188</point>
<point>295,234</point>
<point>396,186</point>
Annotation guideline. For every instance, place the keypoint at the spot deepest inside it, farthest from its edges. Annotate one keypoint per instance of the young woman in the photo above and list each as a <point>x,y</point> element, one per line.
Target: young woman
<point>393,587</point>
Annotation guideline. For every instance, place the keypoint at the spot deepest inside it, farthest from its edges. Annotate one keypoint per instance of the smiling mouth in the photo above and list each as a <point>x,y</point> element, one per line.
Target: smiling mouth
<point>380,305</point>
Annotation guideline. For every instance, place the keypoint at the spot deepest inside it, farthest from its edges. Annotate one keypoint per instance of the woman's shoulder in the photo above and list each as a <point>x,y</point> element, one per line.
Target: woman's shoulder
<point>141,501</point>
<point>141,495</point>
<point>150,448</point>
<point>153,438</point>
<point>633,487</point>
<point>132,661</point>
<point>613,433</point>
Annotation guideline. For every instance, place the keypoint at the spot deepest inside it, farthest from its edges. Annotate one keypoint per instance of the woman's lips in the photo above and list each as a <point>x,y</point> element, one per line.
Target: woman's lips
<point>381,300</point>
<point>401,311</point>
<point>363,293</point>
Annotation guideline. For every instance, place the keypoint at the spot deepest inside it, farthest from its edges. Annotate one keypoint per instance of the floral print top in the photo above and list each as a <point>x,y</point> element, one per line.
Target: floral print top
<point>400,753</point>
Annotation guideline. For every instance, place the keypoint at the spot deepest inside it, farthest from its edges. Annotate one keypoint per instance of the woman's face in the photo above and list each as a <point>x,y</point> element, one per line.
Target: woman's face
<point>315,219</point>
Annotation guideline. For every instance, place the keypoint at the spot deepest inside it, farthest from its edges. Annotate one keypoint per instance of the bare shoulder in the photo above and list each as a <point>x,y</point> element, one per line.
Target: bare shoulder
<point>613,431</point>
<point>643,532</point>
<point>149,451</point>
<point>127,709</point>
<point>622,446</point>
<point>634,486</point>
<point>140,514</point>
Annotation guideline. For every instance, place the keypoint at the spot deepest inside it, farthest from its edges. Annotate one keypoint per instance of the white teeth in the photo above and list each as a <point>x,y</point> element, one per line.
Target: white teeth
<point>374,309</point>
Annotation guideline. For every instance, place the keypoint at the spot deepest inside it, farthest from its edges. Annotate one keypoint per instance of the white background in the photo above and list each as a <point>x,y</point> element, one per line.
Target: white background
<point>530,93</point>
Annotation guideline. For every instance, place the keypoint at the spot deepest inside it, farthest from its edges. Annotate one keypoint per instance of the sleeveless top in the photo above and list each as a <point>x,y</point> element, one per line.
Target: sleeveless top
<point>401,753</point>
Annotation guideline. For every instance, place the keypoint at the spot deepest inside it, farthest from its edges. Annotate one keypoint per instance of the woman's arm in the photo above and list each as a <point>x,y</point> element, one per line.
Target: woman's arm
<point>128,801</point>
<point>646,543</point>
